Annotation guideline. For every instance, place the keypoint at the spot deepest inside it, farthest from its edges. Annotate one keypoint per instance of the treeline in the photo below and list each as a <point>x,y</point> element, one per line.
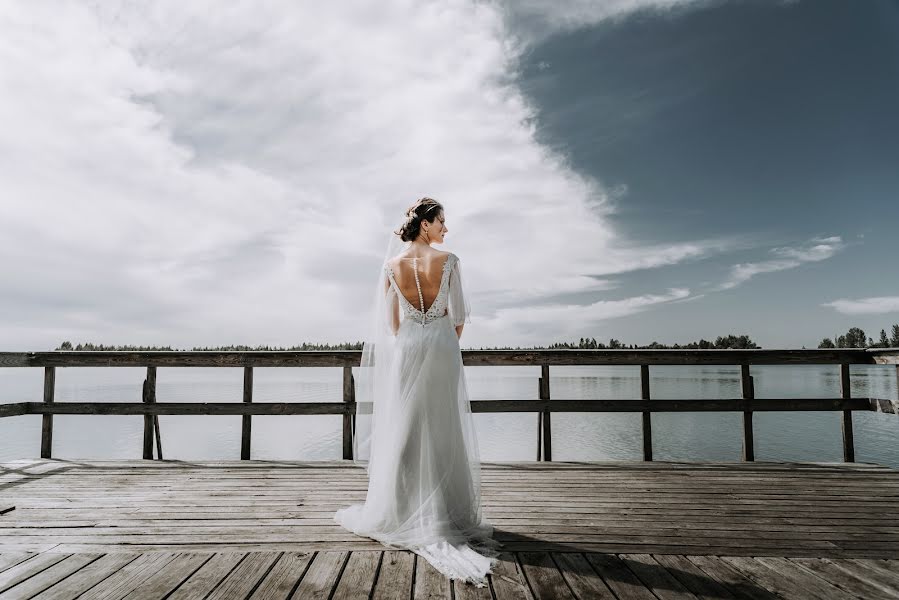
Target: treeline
<point>720,343</point>
<point>239,347</point>
<point>855,338</point>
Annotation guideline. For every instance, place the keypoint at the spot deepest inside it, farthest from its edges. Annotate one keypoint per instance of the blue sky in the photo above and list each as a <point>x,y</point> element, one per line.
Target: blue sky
<point>768,119</point>
<point>646,170</point>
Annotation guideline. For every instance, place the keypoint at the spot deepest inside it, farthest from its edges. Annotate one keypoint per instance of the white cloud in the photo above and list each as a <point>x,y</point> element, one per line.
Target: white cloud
<point>874,305</point>
<point>207,173</point>
<point>534,20</point>
<point>816,249</point>
<point>554,322</point>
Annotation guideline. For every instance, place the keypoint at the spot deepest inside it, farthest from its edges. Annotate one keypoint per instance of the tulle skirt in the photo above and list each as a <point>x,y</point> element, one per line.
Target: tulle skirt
<point>424,488</point>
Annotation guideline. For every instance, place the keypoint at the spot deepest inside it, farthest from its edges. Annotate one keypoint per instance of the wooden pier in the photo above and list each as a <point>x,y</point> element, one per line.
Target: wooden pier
<point>644,530</point>
<point>264,529</point>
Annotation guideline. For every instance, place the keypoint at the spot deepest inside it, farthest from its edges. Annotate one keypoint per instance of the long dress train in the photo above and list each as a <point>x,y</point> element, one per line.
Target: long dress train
<point>424,469</point>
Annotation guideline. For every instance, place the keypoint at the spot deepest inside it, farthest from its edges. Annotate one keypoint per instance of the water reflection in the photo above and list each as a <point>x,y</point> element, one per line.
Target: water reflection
<point>812,436</point>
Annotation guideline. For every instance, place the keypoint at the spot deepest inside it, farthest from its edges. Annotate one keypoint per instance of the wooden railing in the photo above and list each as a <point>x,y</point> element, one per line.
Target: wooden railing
<point>544,405</point>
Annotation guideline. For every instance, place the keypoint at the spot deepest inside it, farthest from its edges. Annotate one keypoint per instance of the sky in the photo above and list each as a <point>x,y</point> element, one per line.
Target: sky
<point>203,174</point>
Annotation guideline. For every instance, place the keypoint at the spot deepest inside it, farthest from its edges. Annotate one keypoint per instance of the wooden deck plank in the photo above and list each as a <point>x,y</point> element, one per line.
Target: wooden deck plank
<point>577,530</point>
<point>395,577</point>
<point>87,576</point>
<point>27,568</point>
<point>783,584</point>
<point>693,578</point>
<point>429,583</point>
<point>656,577</point>
<point>846,579</point>
<point>281,580</point>
<point>39,582</point>
<point>543,576</point>
<point>735,581</point>
<point>126,579</point>
<point>358,576</point>
<point>208,576</point>
<point>581,577</point>
<point>162,582</point>
<point>322,574</point>
<point>245,577</point>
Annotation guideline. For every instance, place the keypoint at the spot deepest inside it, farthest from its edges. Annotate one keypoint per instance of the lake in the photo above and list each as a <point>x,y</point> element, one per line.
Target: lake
<point>704,436</point>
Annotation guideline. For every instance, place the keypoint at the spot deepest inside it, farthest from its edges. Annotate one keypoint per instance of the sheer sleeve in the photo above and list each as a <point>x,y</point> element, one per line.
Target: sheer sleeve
<point>392,304</point>
<point>458,306</point>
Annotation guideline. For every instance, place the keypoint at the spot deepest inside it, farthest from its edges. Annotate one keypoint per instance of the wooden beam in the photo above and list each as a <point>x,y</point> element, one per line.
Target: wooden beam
<point>748,394</point>
<point>149,397</point>
<point>647,415</point>
<point>247,421</point>
<point>349,396</point>
<point>547,423</point>
<point>340,358</point>
<point>846,393</point>
<point>47,421</point>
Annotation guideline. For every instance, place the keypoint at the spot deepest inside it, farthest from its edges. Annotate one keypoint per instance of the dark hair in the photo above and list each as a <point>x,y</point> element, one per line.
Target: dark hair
<point>424,209</point>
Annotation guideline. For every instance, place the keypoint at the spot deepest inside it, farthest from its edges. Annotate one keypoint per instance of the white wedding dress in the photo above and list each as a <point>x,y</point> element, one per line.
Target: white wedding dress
<point>424,467</point>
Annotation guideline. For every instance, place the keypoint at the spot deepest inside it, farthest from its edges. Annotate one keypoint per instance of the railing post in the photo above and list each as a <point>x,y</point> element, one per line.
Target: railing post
<point>149,397</point>
<point>647,415</point>
<point>349,420</point>
<point>247,421</point>
<point>546,423</point>
<point>748,388</point>
<point>846,393</point>
<point>47,421</point>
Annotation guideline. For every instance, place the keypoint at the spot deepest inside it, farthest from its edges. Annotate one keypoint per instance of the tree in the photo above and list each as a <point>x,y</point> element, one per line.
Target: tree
<point>855,338</point>
<point>894,339</point>
<point>826,343</point>
<point>884,340</point>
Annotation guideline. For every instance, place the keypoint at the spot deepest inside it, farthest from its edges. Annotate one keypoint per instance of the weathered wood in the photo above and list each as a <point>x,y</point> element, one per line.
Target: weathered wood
<point>429,583</point>
<point>546,422</point>
<point>358,576</point>
<point>734,509</point>
<point>283,577</point>
<point>583,580</point>
<point>47,420</point>
<point>35,584</point>
<point>647,415</point>
<point>349,397</point>
<point>546,581</point>
<point>518,575</point>
<point>149,397</point>
<point>341,358</point>
<point>207,577</point>
<point>89,576</point>
<point>247,420</point>
<point>322,575</point>
<point>846,393</point>
<point>479,406</point>
<point>748,453</point>
<point>14,409</point>
<point>28,568</point>
<point>241,581</point>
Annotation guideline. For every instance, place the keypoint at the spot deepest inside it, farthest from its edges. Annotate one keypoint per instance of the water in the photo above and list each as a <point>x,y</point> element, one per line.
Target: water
<point>713,436</point>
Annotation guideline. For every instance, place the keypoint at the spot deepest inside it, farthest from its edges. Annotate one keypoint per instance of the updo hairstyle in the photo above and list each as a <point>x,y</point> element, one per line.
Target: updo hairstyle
<point>425,209</point>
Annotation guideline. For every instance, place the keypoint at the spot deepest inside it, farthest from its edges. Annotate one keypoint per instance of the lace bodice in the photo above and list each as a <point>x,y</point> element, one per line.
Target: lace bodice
<point>438,308</point>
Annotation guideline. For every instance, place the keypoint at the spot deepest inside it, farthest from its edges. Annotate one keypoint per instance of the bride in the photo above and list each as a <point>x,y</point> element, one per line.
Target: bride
<point>414,431</point>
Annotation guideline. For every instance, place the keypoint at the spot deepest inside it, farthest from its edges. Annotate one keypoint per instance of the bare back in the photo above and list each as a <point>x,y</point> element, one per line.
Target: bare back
<point>430,274</point>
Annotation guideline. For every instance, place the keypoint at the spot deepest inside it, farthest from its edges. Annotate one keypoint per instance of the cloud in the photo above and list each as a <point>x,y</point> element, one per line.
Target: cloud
<point>815,250</point>
<point>195,173</point>
<point>565,320</point>
<point>874,305</point>
<point>535,20</point>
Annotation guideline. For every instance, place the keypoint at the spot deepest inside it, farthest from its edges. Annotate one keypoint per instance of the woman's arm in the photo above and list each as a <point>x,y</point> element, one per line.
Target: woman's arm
<point>393,308</point>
